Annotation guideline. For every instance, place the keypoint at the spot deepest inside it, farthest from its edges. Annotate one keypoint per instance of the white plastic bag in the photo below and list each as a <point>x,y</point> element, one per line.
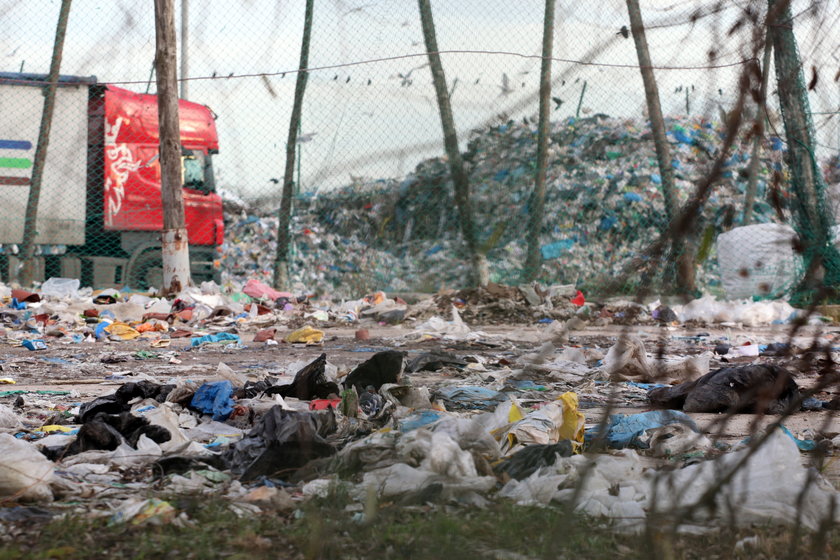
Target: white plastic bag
<point>8,418</point>
<point>25,474</point>
<point>446,457</point>
<point>627,360</point>
<point>61,287</point>
<point>167,418</point>
<point>767,488</point>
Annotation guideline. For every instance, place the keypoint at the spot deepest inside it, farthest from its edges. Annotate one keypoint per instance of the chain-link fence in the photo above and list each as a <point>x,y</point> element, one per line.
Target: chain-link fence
<point>737,200</point>
<point>374,206</point>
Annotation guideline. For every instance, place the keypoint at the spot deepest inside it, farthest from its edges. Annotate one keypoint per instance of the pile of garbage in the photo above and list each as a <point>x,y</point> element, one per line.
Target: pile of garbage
<point>604,205</point>
<point>443,414</point>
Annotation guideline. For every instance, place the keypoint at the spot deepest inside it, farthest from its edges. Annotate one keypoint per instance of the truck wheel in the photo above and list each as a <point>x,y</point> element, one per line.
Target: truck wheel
<point>147,271</point>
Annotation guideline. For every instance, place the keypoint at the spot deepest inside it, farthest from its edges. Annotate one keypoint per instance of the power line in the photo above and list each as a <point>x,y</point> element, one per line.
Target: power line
<point>424,55</point>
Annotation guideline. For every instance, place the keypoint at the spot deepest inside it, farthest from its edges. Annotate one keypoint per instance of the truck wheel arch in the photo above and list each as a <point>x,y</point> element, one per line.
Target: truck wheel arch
<point>140,258</point>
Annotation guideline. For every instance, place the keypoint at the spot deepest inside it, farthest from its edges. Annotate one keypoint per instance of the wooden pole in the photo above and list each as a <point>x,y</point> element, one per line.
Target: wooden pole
<point>281,261</point>
<point>175,245</point>
<point>685,260</point>
<point>761,116</point>
<point>537,206</point>
<point>26,272</point>
<point>460,180</point>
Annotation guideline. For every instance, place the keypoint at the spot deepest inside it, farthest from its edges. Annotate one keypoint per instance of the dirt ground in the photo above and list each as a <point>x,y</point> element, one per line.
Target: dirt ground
<point>89,370</point>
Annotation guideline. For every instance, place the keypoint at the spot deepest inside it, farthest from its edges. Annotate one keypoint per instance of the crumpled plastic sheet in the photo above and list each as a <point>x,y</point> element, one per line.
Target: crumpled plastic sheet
<point>25,474</point>
<point>749,313</point>
<point>470,397</point>
<point>769,488</point>
<point>283,439</point>
<point>624,430</point>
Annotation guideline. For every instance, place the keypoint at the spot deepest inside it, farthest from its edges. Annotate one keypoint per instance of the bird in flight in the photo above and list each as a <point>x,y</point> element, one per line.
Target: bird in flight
<point>358,9</point>
<point>624,32</point>
<point>405,79</point>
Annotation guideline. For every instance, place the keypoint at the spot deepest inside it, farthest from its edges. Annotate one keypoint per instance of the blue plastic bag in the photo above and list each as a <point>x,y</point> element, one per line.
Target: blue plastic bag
<point>34,344</point>
<point>214,338</point>
<point>420,419</point>
<point>214,398</point>
<point>556,249</point>
<point>624,429</point>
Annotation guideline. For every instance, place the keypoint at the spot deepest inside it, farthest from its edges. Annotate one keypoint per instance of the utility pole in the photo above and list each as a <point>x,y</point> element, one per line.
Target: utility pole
<point>185,39</point>
<point>26,272</point>
<point>460,179</point>
<point>175,245</point>
<point>537,206</point>
<point>685,260</point>
<point>281,261</point>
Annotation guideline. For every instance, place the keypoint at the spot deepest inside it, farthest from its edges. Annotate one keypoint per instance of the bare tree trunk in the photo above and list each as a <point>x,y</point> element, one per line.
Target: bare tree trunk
<point>811,216</point>
<point>537,206</point>
<point>684,256</point>
<point>761,117</point>
<point>281,261</point>
<point>175,244</point>
<point>460,179</point>
<point>27,270</point>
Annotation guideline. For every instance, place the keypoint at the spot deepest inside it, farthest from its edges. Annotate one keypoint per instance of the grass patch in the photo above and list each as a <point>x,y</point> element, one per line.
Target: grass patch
<point>324,529</point>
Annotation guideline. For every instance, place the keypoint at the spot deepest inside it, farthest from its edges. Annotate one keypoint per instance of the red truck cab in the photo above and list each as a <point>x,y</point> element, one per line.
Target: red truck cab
<point>132,183</point>
<point>100,214</point>
<point>124,161</point>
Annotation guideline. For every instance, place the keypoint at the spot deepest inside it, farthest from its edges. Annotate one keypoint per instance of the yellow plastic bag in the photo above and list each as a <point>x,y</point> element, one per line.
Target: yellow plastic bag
<point>307,335</point>
<point>156,512</point>
<point>573,418</point>
<point>553,422</point>
<point>122,330</point>
<point>52,428</point>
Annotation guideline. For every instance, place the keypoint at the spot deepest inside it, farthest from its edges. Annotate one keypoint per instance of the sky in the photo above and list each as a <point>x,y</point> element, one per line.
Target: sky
<point>369,111</point>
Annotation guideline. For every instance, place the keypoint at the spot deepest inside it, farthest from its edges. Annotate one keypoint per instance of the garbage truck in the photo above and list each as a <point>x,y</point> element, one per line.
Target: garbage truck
<point>100,215</point>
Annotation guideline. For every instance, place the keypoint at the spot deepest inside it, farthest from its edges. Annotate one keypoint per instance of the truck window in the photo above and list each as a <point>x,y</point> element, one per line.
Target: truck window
<point>197,171</point>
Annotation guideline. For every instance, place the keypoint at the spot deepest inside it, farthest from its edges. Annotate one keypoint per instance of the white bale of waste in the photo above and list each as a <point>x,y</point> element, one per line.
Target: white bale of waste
<point>25,474</point>
<point>757,260</point>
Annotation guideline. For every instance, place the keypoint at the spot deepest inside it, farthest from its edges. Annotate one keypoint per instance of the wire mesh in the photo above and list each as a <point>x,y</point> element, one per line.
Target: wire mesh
<point>374,205</point>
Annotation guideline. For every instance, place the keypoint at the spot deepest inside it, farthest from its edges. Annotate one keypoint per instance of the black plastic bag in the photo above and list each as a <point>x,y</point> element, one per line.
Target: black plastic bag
<point>755,389</point>
<point>282,442</point>
<point>379,369</point>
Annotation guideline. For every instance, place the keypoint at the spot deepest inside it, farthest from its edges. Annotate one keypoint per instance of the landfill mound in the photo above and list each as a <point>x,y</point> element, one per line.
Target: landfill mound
<point>604,206</point>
